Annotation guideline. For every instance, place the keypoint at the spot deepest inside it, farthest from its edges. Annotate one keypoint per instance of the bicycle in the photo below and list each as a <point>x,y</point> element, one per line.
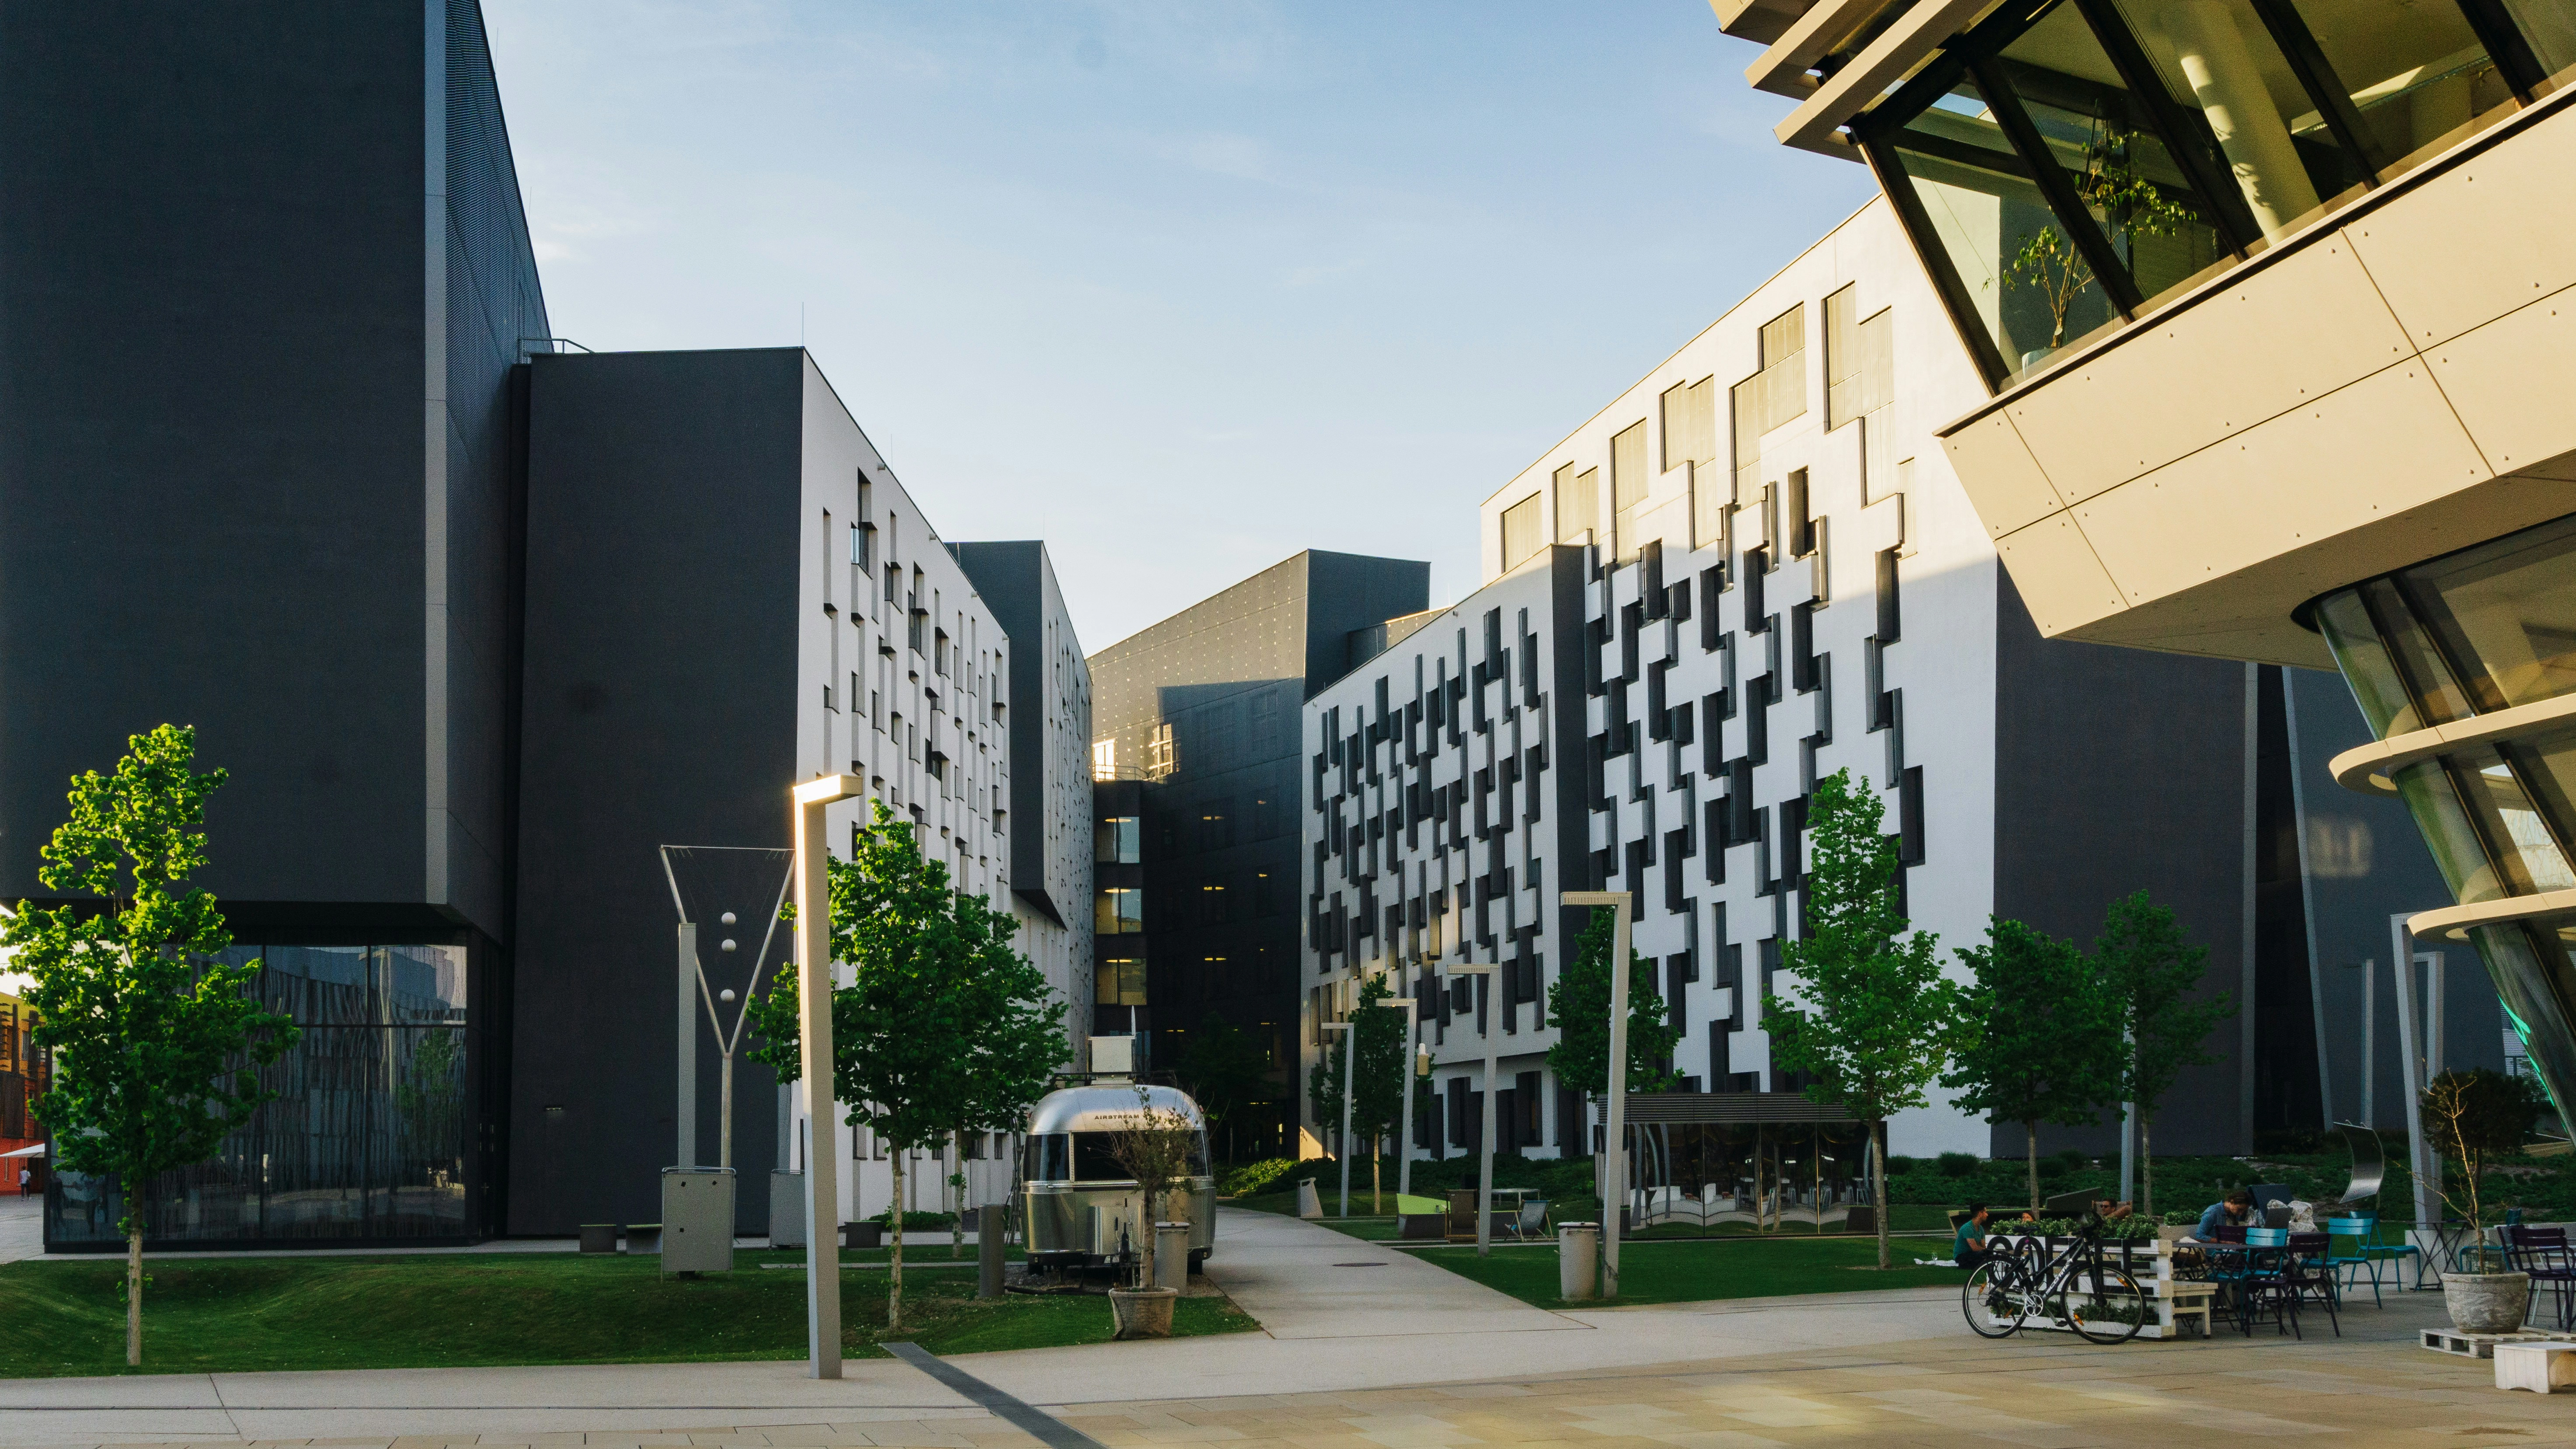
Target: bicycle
<point>2005,1290</point>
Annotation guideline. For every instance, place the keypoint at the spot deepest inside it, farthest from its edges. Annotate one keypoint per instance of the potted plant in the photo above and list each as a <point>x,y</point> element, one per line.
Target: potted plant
<point>2125,203</point>
<point>2469,1117</point>
<point>1154,1149</point>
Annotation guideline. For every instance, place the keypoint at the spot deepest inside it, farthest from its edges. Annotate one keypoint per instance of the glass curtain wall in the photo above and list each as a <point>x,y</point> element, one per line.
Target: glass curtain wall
<point>366,1138</point>
<point>2471,634</point>
<point>2064,165</point>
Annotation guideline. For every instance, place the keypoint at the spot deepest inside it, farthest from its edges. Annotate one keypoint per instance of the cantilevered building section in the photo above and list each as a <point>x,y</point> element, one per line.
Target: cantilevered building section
<point>2273,303</point>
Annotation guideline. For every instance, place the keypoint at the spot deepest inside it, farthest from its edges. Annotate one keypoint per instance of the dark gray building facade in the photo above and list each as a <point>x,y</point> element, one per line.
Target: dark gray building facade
<point>1196,742</point>
<point>257,327</point>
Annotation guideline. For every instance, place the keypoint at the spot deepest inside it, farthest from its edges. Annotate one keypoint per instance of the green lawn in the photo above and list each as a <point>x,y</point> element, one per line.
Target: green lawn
<point>428,1311</point>
<point>1684,1272</point>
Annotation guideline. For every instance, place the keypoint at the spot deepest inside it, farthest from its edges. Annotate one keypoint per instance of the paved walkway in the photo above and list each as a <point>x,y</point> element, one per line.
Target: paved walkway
<point>22,1227</point>
<point>1861,1369</point>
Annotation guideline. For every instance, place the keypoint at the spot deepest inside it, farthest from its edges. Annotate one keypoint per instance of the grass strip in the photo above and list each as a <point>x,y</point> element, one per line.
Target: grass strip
<point>242,1315</point>
<point>1670,1272</point>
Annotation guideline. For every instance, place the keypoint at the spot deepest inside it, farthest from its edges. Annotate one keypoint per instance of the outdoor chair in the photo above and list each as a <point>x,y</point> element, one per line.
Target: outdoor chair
<point>2311,1277</point>
<point>2357,1259</point>
<point>1533,1219</point>
<point>2262,1284</point>
<point>2390,1253</point>
<point>2543,1253</point>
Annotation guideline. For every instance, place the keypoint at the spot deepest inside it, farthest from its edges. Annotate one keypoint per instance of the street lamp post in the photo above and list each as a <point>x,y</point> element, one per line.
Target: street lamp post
<point>1485,1158</point>
<point>1404,1125</point>
<point>1614,1161</point>
<point>814,1037</point>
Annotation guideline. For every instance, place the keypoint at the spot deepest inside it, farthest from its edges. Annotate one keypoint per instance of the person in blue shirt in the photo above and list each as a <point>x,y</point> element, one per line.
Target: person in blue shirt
<point>1968,1245</point>
<point>2236,1211</point>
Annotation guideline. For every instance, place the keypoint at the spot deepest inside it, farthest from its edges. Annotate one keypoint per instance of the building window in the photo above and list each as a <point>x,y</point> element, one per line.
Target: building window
<point>1860,385</point>
<point>1521,535</point>
<point>1773,395</point>
<point>1690,437</point>
<point>1578,504</point>
<point>1120,911</point>
<point>1159,762</point>
<point>1120,980</point>
<point>1628,487</point>
<point>1118,840</point>
<point>1104,759</point>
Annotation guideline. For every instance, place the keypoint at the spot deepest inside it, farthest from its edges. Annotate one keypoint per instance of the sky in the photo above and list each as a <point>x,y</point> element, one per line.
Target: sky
<point>1181,288</point>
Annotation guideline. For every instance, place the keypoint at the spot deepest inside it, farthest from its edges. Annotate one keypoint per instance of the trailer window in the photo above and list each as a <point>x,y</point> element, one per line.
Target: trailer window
<point>1094,1162</point>
<point>1046,1158</point>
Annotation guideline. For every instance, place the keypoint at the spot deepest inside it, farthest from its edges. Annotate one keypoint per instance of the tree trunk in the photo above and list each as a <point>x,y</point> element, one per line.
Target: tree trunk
<point>2146,1172</point>
<point>1377,1155</point>
<point>957,1219</point>
<point>894,1274</point>
<point>2032,1155</point>
<point>134,1296</point>
<point>1878,1181</point>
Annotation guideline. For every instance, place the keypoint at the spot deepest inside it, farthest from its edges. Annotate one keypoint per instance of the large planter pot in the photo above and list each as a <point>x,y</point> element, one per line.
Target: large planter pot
<point>2486,1302</point>
<point>1143,1312</point>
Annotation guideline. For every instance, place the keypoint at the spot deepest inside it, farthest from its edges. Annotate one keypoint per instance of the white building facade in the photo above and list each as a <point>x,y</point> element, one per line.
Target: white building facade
<point>1761,570</point>
<point>908,681</point>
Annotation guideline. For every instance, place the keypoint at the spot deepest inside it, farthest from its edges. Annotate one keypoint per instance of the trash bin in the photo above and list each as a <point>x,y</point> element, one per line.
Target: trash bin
<point>1310,1204</point>
<point>1172,1255</point>
<point>786,1208</point>
<point>697,1220</point>
<point>1578,1261</point>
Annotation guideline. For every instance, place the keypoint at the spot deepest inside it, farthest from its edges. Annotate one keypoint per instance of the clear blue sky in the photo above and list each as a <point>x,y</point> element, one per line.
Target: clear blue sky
<point>1180,287</point>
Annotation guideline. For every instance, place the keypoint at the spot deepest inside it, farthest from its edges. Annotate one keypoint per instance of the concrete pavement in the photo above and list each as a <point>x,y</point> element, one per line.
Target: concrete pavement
<point>22,1227</point>
<point>1388,1358</point>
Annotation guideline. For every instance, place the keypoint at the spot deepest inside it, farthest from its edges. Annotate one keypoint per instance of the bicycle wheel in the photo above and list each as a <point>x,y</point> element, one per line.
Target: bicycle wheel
<point>1992,1300</point>
<point>2112,1312</point>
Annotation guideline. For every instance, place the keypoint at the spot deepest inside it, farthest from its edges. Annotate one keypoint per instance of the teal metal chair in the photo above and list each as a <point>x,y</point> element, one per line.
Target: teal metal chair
<point>2354,1261</point>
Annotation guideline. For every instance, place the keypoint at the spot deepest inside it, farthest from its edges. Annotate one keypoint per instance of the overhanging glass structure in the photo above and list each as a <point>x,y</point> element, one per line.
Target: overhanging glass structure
<point>2065,165</point>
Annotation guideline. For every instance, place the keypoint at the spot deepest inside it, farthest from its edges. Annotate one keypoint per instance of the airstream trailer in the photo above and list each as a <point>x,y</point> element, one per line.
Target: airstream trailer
<point>1079,1206</point>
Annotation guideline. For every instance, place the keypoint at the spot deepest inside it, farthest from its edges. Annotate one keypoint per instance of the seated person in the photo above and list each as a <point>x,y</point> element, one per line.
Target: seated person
<point>1968,1246</point>
<point>2236,1211</point>
<point>2112,1212</point>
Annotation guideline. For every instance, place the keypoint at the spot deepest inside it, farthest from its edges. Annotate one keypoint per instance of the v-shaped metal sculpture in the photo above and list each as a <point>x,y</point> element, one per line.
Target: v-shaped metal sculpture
<point>727,890</point>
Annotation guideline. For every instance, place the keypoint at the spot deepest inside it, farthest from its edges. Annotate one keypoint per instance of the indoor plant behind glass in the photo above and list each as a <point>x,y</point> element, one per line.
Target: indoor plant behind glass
<point>2471,1117</point>
<point>2122,200</point>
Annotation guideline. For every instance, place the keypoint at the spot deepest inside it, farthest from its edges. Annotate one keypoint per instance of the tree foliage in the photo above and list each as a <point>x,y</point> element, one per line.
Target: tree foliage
<point>1156,1145</point>
<point>156,1044</point>
<point>943,1028</point>
<point>1579,1003</point>
<point>1874,1019</point>
<point>2048,1044</point>
<point>1224,1068</point>
<point>2149,976</point>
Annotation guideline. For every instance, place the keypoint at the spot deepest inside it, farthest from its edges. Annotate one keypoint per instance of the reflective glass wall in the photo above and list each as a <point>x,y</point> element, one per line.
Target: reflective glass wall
<point>367,1138</point>
<point>2457,641</point>
<point>2067,163</point>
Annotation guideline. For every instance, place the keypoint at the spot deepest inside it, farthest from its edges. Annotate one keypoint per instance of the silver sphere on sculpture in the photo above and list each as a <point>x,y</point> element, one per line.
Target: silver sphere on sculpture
<point>726,918</point>
<point>728,944</point>
<point>725,995</point>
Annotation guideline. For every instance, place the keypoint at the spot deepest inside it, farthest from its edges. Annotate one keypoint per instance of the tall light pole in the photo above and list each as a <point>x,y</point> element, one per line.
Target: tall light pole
<point>1404,1125</point>
<point>814,1061</point>
<point>1614,1160</point>
<point>1485,1160</point>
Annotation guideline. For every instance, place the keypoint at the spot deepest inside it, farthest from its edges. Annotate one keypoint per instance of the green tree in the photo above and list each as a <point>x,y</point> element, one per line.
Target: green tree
<point>2149,975</point>
<point>1156,1144</point>
<point>1324,1091</point>
<point>939,1028</point>
<point>155,1044</point>
<point>1878,1019</point>
<point>1579,1003</point>
<point>1224,1069</point>
<point>1377,1109</point>
<point>2048,1044</point>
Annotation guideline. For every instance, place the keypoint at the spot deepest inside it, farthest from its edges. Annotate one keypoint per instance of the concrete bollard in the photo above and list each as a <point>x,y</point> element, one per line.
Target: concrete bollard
<point>1310,1204</point>
<point>1578,1261</point>
<point>990,1227</point>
